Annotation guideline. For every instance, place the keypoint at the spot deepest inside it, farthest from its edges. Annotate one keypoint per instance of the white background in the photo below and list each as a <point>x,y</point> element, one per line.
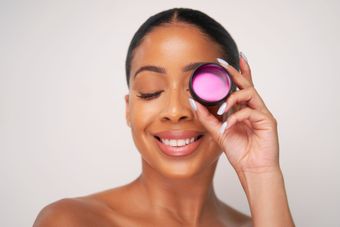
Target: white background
<point>62,82</point>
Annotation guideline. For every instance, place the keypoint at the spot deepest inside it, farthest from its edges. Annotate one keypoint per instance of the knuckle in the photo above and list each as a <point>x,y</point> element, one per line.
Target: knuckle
<point>231,117</point>
<point>232,98</point>
<point>253,91</point>
<point>220,139</point>
<point>249,70</point>
<point>248,111</point>
<point>274,121</point>
<point>248,92</point>
<point>233,95</point>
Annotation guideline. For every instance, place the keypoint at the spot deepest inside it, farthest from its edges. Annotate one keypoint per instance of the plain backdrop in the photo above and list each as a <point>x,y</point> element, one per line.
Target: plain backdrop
<point>62,83</point>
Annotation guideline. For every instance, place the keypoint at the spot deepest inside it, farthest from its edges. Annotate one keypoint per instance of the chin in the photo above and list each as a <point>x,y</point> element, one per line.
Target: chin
<point>187,167</point>
<point>188,172</point>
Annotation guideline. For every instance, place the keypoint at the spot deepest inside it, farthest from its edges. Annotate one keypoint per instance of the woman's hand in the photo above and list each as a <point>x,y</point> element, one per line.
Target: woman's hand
<point>250,141</point>
<point>249,136</point>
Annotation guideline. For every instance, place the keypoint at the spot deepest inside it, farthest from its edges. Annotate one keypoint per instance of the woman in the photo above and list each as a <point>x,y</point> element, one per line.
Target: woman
<point>180,141</point>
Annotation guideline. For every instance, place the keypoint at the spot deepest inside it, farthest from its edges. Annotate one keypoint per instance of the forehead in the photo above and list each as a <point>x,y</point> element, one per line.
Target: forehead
<point>175,43</point>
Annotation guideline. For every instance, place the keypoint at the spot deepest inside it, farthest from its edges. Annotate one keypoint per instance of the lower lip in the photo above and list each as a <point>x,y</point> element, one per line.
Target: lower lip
<point>178,151</point>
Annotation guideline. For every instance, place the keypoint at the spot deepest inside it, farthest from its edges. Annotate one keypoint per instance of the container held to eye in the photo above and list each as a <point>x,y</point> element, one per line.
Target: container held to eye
<point>210,84</point>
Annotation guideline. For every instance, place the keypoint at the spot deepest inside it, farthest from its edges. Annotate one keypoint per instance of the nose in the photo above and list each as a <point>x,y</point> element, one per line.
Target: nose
<point>177,108</point>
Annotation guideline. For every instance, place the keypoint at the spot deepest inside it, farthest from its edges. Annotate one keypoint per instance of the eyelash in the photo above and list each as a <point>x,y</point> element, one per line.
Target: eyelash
<point>149,96</point>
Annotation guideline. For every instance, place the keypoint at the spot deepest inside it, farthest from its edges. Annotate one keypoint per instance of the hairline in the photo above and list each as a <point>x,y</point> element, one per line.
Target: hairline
<point>173,21</point>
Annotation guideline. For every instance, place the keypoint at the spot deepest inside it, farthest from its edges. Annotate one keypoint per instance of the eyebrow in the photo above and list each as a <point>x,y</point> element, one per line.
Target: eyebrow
<point>162,70</point>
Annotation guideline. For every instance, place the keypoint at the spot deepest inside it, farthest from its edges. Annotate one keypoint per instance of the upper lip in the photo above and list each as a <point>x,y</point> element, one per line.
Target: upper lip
<point>177,134</point>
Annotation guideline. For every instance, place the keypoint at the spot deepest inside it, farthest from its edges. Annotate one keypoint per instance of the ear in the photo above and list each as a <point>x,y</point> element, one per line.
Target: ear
<point>127,110</point>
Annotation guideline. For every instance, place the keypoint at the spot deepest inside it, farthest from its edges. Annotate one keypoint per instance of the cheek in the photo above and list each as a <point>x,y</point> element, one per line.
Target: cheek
<point>143,113</point>
<point>213,150</point>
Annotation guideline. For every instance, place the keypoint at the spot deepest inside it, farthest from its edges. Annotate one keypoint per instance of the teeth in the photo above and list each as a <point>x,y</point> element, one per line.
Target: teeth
<point>173,143</point>
<point>178,143</point>
<point>187,141</point>
<point>167,142</point>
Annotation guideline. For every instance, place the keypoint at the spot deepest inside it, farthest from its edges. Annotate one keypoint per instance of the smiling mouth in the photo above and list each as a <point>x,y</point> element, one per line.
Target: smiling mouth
<point>178,142</point>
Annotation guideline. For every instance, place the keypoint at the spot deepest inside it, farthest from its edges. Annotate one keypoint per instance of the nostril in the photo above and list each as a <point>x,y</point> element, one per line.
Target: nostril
<point>183,118</point>
<point>176,111</point>
<point>175,119</point>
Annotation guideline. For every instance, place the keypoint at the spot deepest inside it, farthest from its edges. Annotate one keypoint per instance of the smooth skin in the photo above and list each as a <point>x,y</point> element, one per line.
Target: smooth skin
<point>179,191</point>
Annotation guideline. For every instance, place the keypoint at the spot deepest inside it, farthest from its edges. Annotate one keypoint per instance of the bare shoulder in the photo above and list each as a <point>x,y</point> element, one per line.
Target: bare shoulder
<point>236,217</point>
<point>73,212</point>
<point>57,214</point>
<point>97,209</point>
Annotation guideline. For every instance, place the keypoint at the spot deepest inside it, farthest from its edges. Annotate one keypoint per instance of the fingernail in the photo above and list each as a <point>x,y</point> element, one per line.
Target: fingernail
<point>223,127</point>
<point>243,56</point>
<point>192,104</point>
<point>222,108</point>
<point>222,62</point>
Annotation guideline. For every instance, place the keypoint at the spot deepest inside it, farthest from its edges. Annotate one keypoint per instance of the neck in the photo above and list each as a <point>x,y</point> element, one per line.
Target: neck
<point>185,198</point>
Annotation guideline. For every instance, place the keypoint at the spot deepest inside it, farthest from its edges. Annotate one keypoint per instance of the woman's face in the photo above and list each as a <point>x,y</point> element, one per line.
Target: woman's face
<point>167,134</point>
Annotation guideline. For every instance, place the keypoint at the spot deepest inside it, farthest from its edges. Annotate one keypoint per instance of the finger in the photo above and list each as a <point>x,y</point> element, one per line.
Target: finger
<point>209,121</point>
<point>248,97</point>
<point>240,81</point>
<point>245,68</point>
<point>257,119</point>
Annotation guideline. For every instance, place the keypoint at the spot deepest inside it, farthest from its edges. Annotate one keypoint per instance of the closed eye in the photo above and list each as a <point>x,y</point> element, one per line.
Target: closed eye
<point>149,96</point>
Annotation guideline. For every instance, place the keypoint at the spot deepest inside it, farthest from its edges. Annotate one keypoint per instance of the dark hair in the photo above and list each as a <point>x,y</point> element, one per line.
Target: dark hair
<point>206,24</point>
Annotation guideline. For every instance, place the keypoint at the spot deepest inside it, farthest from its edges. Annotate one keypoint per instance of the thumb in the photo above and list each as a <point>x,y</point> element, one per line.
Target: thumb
<point>209,121</point>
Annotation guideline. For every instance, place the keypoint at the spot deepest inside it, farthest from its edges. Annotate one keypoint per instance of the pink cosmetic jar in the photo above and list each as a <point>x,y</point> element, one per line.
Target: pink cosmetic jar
<point>210,84</point>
